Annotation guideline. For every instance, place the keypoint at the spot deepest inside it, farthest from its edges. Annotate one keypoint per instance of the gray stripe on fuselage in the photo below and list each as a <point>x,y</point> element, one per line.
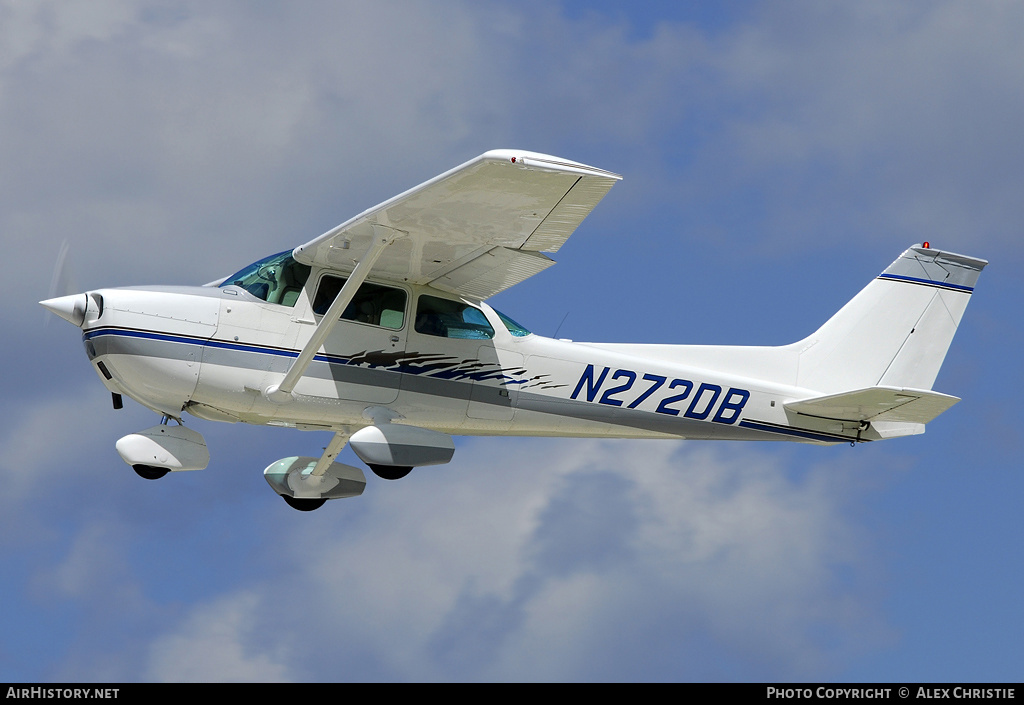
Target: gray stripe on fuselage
<point>185,350</point>
<point>432,386</point>
<point>145,347</point>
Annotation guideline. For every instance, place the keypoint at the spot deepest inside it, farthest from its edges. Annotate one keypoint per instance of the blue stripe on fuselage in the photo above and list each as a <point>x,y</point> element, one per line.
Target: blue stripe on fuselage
<point>205,342</point>
<point>797,432</point>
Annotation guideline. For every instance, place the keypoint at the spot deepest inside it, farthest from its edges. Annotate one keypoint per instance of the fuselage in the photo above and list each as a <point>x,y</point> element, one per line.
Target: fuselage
<point>213,351</point>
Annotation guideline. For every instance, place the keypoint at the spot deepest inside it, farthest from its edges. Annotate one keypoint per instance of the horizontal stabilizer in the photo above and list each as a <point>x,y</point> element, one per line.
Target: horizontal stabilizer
<point>876,404</point>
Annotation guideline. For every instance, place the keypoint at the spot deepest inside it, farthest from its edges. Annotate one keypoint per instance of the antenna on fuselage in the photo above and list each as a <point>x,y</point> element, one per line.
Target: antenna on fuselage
<point>560,325</point>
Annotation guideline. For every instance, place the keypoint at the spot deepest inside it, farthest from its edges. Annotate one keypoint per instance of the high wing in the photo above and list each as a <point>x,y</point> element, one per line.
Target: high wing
<point>474,230</point>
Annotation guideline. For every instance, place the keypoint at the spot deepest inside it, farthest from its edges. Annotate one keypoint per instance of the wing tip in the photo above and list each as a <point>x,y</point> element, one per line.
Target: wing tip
<point>537,160</point>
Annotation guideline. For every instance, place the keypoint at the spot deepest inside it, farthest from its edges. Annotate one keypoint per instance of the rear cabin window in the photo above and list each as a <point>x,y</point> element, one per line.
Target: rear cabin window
<point>277,279</point>
<point>514,328</point>
<point>374,304</point>
<point>451,319</point>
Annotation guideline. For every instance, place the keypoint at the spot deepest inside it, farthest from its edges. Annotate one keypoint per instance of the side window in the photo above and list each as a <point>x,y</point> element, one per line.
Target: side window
<point>451,319</point>
<point>374,304</point>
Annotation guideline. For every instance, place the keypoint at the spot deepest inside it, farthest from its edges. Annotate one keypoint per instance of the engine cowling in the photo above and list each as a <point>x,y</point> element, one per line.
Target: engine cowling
<point>166,447</point>
<point>402,446</point>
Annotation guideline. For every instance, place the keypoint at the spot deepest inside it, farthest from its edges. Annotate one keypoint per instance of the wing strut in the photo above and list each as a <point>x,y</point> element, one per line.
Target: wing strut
<point>330,453</point>
<point>282,392</point>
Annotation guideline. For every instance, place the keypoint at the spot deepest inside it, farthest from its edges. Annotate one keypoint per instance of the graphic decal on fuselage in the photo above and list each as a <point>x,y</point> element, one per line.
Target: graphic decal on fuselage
<point>439,366</point>
<point>667,394</point>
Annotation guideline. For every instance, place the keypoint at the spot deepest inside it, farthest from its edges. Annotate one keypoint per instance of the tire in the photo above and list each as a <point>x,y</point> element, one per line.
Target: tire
<point>150,472</point>
<point>390,472</point>
<point>303,504</point>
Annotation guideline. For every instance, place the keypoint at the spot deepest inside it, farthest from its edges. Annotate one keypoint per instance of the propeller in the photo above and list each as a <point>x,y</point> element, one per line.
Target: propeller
<point>63,299</point>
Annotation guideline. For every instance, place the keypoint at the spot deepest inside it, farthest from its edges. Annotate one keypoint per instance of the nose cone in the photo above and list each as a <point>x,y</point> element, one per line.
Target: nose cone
<point>70,308</point>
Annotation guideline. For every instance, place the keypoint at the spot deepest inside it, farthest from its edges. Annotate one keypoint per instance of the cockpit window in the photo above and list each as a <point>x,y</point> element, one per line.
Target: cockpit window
<point>277,279</point>
<point>513,327</point>
<point>374,304</point>
<point>451,319</point>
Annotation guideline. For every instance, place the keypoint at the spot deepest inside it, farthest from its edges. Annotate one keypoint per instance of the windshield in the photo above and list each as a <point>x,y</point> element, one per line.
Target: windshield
<point>277,279</point>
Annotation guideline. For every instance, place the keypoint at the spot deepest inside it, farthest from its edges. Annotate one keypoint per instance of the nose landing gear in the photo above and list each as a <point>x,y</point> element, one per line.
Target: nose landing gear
<point>161,449</point>
<point>149,472</point>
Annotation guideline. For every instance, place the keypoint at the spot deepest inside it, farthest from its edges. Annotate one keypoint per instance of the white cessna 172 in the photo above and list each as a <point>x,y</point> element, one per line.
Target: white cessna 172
<point>377,331</point>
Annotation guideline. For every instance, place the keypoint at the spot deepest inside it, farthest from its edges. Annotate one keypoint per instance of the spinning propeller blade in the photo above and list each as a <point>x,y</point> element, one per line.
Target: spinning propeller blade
<point>64,299</point>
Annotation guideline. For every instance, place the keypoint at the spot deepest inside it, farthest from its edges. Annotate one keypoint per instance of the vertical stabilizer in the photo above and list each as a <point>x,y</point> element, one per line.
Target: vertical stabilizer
<point>897,330</point>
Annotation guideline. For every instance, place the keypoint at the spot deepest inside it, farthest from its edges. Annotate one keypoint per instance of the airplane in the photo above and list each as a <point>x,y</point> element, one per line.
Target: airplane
<point>378,332</point>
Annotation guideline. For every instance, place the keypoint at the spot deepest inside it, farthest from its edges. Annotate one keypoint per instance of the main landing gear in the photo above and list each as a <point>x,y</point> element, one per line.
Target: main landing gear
<point>303,504</point>
<point>391,451</point>
<point>306,483</point>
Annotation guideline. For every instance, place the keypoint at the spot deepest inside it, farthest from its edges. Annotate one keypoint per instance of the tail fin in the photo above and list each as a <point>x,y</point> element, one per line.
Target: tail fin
<point>897,330</point>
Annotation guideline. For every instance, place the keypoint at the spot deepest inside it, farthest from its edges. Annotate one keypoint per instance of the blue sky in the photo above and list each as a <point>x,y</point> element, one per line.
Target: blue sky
<point>776,157</point>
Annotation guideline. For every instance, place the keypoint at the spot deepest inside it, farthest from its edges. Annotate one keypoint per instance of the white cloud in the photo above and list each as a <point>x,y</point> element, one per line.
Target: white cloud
<point>93,567</point>
<point>523,559</point>
<point>45,440</point>
<point>898,118</point>
<point>177,145</point>
<point>552,560</point>
<point>211,645</point>
<point>234,129</point>
<point>47,27</point>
